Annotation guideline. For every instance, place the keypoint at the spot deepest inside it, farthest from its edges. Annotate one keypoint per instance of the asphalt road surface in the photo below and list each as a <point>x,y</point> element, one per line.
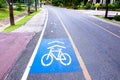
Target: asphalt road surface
<point>92,49</point>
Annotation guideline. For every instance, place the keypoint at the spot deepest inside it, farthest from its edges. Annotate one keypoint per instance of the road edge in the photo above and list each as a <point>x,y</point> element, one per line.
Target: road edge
<point>24,77</point>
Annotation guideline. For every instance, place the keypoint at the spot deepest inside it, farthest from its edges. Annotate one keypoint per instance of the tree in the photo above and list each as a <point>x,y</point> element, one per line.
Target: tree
<point>11,12</point>
<point>36,5</point>
<point>69,3</point>
<point>106,13</point>
<point>28,3</point>
<point>2,3</point>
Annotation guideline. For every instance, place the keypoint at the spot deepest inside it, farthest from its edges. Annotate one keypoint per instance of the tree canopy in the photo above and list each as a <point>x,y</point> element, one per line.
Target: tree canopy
<point>2,3</point>
<point>66,2</point>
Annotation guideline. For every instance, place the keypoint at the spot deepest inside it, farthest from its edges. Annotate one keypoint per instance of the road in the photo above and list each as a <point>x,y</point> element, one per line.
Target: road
<point>91,43</point>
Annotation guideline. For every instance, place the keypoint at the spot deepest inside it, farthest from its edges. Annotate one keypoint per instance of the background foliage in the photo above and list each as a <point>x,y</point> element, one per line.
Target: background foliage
<point>2,3</point>
<point>83,4</point>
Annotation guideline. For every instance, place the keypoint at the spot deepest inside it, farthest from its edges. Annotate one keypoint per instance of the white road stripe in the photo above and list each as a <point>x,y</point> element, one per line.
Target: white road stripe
<point>24,77</point>
<point>81,62</point>
<point>106,30</point>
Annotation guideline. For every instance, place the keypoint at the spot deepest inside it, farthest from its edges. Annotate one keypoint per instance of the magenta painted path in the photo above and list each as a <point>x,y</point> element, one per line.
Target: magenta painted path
<point>11,46</point>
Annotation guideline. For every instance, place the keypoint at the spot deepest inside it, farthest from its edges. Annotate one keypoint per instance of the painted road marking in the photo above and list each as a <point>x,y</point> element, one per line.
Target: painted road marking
<point>85,72</point>
<point>81,62</point>
<point>106,30</point>
<point>55,56</point>
<point>24,77</point>
<point>61,56</point>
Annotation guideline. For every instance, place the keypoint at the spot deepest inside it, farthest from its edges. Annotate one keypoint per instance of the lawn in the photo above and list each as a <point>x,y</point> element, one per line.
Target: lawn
<point>4,13</point>
<point>20,23</point>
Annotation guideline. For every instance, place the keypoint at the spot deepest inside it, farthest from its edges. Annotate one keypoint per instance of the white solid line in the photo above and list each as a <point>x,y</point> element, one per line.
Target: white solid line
<point>81,62</point>
<point>115,24</point>
<point>24,77</point>
<point>106,30</point>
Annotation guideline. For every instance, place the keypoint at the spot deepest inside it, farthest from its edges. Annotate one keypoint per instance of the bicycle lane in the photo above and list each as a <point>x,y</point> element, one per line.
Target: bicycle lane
<point>54,57</point>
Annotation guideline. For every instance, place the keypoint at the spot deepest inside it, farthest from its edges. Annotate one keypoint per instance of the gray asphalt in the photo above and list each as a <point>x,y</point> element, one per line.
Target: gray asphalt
<point>54,30</point>
<point>99,48</point>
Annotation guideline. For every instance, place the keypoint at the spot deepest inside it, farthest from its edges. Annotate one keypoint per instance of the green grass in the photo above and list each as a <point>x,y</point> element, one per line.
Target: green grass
<point>17,12</point>
<point>4,13</point>
<point>113,21</point>
<point>20,23</point>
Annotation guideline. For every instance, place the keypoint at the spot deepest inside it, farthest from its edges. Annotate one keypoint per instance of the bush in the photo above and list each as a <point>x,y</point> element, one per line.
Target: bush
<point>2,4</point>
<point>111,6</point>
<point>88,5</point>
<point>81,5</point>
<point>97,5</point>
<point>103,6</point>
<point>114,5</point>
<point>19,6</point>
<point>93,7</point>
<point>118,9</point>
<point>60,5</point>
<point>117,17</point>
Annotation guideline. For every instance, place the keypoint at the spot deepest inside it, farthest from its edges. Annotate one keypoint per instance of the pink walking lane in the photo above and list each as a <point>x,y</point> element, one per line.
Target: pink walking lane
<point>11,47</point>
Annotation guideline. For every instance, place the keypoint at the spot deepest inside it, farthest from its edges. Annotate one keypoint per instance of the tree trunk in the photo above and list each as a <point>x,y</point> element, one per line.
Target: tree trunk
<point>106,13</point>
<point>11,12</point>
<point>35,5</point>
<point>28,2</point>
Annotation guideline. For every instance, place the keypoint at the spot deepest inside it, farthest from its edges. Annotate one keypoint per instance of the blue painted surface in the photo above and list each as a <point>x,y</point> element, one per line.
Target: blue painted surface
<point>56,66</point>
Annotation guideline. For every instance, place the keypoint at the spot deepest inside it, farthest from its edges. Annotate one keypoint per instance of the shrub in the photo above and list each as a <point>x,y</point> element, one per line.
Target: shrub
<point>60,5</point>
<point>93,7</point>
<point>88,5</point>
<point>97,5</point>
<point>117,17</point>
<point>111,6</point>
<point>103,6</point>
<point>2,4</point>
<point>19,6</point>
<point>114,5</point>
<point>118,9</point>
<point>81,5</point>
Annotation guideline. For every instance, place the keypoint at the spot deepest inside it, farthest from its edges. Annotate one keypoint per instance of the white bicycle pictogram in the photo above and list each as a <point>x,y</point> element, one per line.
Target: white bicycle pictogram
<point>64,58</point>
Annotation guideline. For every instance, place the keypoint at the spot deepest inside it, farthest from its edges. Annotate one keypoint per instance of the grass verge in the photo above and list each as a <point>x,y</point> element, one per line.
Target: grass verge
<point>4,13</point>
<point>20,23</point>
<point>112,20</point>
